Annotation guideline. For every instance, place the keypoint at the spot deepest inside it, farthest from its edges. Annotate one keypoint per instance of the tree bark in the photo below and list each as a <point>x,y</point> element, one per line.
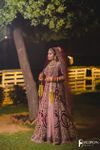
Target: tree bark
<point>30,84</point>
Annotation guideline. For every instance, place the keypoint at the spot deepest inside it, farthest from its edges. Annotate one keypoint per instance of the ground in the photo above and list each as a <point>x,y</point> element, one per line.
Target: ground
<point>86,110</point>
<point>8,126</point>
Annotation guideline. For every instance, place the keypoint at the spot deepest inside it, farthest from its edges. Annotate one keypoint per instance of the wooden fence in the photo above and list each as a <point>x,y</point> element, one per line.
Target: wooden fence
<point>81,79</point>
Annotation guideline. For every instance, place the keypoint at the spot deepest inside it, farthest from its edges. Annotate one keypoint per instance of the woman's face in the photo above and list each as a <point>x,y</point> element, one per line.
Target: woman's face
<point>50,55</point>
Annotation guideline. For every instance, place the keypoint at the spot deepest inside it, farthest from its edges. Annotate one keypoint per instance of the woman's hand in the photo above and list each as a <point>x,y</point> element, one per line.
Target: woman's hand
<point>40,76</point>
<point>49,79</point>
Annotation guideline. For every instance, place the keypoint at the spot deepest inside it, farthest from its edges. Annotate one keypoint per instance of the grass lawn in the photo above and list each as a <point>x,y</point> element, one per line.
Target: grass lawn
<point>86,110</point>
<point>21,141</point>
<point>11,109</point>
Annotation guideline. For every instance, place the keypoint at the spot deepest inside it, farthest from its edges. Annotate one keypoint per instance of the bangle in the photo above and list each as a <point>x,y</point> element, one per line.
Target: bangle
<point>51,79</point>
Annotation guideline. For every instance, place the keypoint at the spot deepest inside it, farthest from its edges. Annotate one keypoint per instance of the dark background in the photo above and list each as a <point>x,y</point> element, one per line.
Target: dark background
<point>85,50</point>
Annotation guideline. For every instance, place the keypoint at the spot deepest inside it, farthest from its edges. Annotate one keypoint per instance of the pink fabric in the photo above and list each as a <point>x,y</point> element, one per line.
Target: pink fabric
<point>54,122</point>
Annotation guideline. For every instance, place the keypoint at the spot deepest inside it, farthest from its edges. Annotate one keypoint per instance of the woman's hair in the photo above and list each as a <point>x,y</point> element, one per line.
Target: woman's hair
<point>53,50</point>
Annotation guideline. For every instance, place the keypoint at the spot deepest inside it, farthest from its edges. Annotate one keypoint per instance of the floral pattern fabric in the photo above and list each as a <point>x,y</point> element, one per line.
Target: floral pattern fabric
<point>54,124</point>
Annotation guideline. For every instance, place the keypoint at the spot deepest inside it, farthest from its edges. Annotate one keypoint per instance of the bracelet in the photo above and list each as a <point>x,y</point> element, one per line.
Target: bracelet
<point>57,79</point>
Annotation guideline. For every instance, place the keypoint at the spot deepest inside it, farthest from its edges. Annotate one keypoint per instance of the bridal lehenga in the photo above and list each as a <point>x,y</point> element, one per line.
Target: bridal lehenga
<point>54,120</point>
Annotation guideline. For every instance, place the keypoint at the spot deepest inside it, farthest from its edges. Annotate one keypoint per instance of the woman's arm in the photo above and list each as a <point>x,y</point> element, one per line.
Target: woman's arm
<point>61,78</point>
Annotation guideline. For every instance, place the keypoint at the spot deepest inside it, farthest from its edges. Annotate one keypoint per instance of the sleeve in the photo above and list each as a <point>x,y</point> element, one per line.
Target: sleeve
<point>60,71</point>
<point>45,71</point>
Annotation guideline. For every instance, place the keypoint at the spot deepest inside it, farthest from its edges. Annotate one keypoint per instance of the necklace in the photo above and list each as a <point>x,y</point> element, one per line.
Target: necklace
<point>52,63</point>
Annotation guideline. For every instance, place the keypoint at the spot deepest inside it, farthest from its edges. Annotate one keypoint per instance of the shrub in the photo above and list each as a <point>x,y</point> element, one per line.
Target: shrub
<point>97,87</point>
<point>1,95</point>
<point>18,95</point>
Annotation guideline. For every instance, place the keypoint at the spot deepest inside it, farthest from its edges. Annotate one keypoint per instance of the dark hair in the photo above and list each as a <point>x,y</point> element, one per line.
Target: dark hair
<point>53,50</point>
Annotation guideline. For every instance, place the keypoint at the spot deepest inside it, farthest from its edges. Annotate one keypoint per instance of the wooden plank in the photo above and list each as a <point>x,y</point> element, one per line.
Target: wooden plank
<point>77,78</point>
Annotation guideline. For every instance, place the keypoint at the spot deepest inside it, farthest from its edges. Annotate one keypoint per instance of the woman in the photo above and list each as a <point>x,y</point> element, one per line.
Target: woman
<point>54,121</point>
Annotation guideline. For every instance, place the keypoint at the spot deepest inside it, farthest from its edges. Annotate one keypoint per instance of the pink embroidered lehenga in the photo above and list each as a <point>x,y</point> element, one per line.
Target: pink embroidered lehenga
<point>54,121</point>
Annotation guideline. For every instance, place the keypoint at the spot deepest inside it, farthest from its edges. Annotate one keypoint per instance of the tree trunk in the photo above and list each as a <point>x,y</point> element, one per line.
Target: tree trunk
<point>30,84</point>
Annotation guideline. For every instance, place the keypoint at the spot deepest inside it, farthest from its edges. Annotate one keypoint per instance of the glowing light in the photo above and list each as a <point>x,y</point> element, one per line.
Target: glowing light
<point>71,60</point>
<point>6,37</point>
